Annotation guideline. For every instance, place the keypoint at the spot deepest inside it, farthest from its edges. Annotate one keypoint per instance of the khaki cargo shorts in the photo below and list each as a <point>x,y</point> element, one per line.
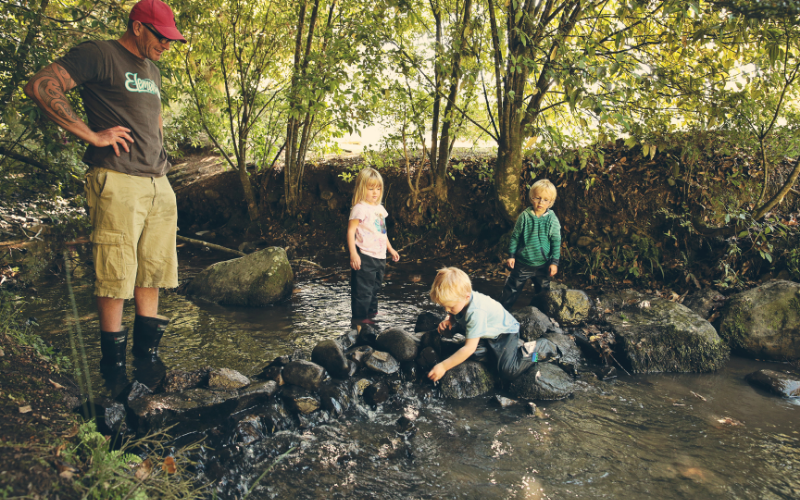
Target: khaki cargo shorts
<point>134,222</point>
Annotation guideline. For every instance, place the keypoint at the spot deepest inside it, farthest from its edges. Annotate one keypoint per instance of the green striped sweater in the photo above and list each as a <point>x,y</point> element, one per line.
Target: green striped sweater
<point>536,241</point>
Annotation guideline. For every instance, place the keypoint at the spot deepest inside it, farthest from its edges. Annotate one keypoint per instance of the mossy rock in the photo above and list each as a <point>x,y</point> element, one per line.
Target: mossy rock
<point>764,322</point>
<point>662,336</point>
<point>256,280</point>
<point>467,380</point>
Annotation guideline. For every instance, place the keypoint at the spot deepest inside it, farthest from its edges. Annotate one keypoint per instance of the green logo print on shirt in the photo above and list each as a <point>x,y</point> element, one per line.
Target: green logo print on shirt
<point>135,84</point>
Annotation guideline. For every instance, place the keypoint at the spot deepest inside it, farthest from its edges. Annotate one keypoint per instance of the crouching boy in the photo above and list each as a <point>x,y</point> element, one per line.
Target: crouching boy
<point>485,322</point>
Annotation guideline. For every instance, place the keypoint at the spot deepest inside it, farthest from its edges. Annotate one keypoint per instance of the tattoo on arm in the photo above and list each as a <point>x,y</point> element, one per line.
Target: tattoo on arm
<point>48,88</point>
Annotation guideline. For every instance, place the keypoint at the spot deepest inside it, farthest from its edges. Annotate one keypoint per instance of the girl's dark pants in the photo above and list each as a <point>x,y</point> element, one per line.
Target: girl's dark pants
<point>507,353</point>
<point>540,276</point>
<point>364,286</point>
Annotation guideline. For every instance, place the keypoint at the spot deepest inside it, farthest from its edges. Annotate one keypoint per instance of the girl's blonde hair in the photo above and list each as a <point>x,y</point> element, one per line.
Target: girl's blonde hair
<point>450,285</point>
<point>367,178</point>
<point>543,185</point>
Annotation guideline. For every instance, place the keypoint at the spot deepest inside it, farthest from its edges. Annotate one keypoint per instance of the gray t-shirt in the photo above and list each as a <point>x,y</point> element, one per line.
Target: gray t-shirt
<point>118,88</point>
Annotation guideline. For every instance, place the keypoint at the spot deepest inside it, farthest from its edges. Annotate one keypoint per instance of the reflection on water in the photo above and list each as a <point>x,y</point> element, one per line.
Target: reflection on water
<point>661,436</point>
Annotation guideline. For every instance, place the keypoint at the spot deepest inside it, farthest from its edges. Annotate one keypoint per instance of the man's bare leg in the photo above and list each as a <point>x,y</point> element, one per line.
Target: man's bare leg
<point>146,301</point>
<point>110,311</point>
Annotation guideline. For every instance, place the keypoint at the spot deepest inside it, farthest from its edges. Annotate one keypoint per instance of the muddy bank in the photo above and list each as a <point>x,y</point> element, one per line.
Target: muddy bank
<point>625,220</point>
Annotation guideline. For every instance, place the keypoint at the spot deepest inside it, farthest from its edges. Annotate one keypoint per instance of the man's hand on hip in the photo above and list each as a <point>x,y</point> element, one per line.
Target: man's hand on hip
<point>114,137</point>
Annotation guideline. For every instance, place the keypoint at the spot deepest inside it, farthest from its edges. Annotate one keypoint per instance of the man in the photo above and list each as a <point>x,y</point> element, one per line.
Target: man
<point>131,204</point>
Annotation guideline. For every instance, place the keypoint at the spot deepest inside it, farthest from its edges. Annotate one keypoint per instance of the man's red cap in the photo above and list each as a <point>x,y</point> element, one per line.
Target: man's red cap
<point>158,14</point>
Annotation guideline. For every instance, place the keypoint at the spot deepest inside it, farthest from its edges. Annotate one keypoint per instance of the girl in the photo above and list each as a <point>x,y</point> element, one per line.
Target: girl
<point>368,243</point>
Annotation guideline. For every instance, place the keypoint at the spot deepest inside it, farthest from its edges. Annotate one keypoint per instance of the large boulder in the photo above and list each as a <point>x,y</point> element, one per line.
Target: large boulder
<point>467,380</point>
<point>657,335</point>
<point>764,322</point>
<point>543,381</point>
<point>226,379</point>
<point>256,280</point>
<point>401,345</point>
<point>568,307</point>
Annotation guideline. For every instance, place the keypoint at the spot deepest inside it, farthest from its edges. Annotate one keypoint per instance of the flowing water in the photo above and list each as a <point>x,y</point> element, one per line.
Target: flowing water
<point>669,436</point>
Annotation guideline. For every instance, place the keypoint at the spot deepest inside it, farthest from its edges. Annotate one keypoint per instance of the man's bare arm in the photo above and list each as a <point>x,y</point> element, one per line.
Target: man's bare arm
<point>48,90</point>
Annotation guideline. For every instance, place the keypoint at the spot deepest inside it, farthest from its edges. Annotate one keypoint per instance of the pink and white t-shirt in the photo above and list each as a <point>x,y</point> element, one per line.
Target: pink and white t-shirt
<point>371,232</point>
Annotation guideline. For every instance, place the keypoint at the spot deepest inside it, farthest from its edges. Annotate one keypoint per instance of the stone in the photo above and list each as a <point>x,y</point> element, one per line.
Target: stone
<point>451,345</point>
<point>705,302</point>
<point>505,402</point>
<point>431,339</point>
<point>303,373</point>
<point>180,380</point>
<point>367,335</point>
<point>427,321</point>
<point>376,393</point>
<point>348,340</point>
<point>248,430</point>
<point>360,354</point>
<point>409,370</point>
<point>428,358</point>
<point>567,307</point>
<point>335,398</point>
<point>533,323</point>
<point>329,355</point>
<point>300,399</point>
<point>276,417</point>
<point>569,355</point>
<point>764,322</point>
<point>281,360</point>
<point>266,388</point>
<point>544,381</point>
<point>256,280</point>
<point>784,384</point>
<point>113,416</point>
<point>401,345</point>
<point>273,372</point>
<point>468,380</point>
<point>157,409</point>
<point>137,390</point>
<point>226,379</point>
<point>360,386</point>
<point>382,362</point>
<point>664,337</point>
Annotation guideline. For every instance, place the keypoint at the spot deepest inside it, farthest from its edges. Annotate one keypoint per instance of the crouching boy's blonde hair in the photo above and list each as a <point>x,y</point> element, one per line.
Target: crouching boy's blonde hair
<point>450,286</point>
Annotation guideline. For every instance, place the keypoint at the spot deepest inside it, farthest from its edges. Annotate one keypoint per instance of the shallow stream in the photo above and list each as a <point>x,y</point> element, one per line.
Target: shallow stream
<point>669,436</point>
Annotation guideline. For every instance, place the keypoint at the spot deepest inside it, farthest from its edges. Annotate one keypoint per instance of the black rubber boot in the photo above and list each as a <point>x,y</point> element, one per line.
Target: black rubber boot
<point>147,333</point>
<point>113,346</point>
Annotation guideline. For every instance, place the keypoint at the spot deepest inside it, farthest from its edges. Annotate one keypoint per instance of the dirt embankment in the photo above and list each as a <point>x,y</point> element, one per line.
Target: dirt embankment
<point>625,220</point>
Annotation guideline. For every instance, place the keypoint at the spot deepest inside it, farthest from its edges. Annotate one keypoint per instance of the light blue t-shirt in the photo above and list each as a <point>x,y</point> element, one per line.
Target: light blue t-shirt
<point>485,318</point>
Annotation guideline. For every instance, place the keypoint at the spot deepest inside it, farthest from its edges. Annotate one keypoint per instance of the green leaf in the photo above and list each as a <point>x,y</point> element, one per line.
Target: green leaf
<point>743,234</point>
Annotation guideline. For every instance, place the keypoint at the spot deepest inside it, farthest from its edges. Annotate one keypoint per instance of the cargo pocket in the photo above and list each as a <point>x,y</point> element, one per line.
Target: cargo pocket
<point>109,263</point>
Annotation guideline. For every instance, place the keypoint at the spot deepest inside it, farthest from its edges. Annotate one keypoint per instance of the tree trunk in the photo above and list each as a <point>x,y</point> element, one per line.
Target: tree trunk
<point>507,170</point>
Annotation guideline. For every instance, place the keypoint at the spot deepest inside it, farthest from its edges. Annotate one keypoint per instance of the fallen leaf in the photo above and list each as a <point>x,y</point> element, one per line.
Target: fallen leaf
<point>65,470</point>
<point>144,469</point>
<point>697,395</point>
<point>59,449</point>
<point>72,432</point>
<point>169,466</point>
<point>25,409</point>
<point>56,384</point>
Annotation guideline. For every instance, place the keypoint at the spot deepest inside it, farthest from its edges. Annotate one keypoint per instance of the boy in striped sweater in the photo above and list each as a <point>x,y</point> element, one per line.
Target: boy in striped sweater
<point>535,246</point>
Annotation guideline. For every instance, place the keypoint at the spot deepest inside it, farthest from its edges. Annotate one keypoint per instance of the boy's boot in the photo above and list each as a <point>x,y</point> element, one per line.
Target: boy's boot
<point>147,333</point>
<point>113,346</point>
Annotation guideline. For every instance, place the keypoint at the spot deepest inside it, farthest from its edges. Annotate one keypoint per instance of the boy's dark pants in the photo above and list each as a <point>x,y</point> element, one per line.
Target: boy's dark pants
<point>508,354</point>
<point>516,281</point>
<point>364,286</point>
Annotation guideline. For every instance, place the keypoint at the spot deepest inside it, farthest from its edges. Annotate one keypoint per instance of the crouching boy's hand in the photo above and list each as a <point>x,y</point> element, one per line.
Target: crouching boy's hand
<point>456,359</point>
<point>553,269</point>
<point>445,325</point>
<point>437,372</point>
